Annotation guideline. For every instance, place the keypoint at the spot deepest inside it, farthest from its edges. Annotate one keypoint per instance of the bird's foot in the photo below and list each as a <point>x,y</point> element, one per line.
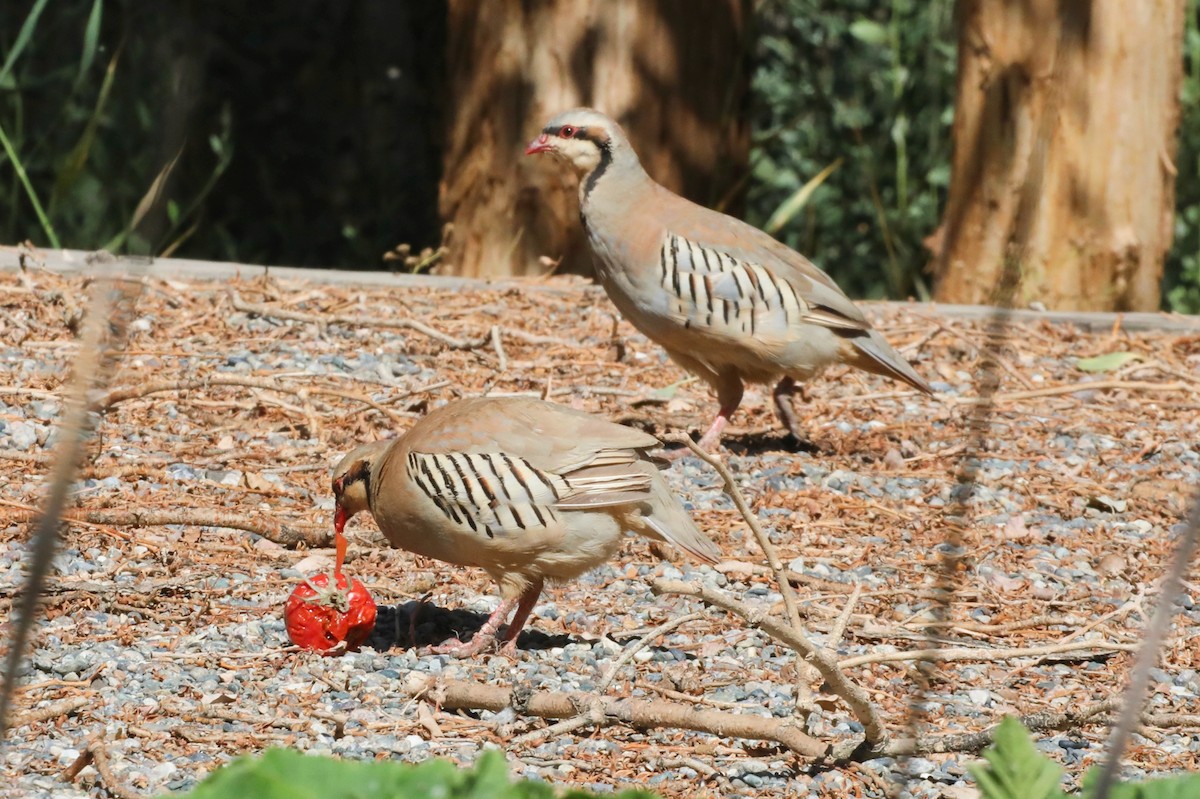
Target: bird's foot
<point>455,648</point>
<point>802,444</point>
<point>782,396</point>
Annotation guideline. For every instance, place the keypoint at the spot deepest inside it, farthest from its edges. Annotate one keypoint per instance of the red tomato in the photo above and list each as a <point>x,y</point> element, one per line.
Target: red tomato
<point>323,618</point>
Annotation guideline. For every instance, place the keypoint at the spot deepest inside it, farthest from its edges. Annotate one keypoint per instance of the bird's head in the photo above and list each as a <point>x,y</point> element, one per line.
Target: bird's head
<point>584,138</point>
<point>352,482</point>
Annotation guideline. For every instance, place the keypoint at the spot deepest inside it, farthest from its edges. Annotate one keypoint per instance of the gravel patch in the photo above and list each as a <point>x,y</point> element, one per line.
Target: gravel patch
<point>170,641</point>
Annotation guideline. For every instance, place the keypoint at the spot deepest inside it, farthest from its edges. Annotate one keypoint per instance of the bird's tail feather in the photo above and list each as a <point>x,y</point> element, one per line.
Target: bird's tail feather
<point>875,355</point>
<point>668,521</point>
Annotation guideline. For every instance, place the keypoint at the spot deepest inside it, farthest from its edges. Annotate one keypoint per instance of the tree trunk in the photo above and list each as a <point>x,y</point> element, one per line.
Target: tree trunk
<point>1063,178</point>
<point>672,72</point>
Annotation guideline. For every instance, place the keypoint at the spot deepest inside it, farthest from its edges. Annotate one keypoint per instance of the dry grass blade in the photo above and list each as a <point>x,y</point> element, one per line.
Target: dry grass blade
<point>108,313</point>
<point>958,513</point>
<point>1147,658</point>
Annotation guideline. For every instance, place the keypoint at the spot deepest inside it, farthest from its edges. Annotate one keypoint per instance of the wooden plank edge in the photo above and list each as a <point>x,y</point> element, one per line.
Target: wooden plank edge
<point>78,262</point>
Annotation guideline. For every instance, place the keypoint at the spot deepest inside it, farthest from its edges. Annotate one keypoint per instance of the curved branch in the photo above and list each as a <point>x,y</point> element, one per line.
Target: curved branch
<point>640,713</point>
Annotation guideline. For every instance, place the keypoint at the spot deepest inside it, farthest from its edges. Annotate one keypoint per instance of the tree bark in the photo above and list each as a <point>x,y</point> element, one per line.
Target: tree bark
<point>672,72</point>
<point>1063,181</point>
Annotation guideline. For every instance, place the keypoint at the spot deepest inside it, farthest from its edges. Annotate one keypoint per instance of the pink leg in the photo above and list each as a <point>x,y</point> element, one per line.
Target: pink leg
<point>713,436</point>
<point>710,438</point>
<point>729,394</point>
<point>508,643</point>
<point>482,639</point>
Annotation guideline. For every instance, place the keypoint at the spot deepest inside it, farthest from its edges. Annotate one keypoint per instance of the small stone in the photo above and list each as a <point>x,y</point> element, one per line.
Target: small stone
<point>1107,504</point>
<point>1111,564</point>
<point>893,459</point>
<point>23,435</point>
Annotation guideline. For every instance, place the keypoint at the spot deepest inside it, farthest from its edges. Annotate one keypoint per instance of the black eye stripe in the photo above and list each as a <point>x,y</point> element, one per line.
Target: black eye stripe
<point>359,472</point>
<point>583,134</point>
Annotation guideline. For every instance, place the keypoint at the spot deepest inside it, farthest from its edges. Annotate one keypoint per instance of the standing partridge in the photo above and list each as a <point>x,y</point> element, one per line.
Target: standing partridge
<point>728,302</point>
<point>527,490</point>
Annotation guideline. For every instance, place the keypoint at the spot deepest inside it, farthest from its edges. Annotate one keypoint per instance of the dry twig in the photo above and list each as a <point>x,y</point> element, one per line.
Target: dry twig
<point>360,321</point>
<point>63,707</point>
<point>103,767</point>
<point>764,541</point>
<point>839,627</point>
<point>641,643</point>
<point>639,713</point>
<point>260,525</point>
<point>594,714</point>
<point>983,654</point>
<point>823,659</point>
<point>1054,391</point>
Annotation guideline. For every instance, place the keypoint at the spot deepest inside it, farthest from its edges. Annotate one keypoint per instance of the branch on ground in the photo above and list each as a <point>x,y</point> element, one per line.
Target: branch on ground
<point>258,524</point>
<point>821,658</point>
<point>639,713</point>
<point>361,321</point>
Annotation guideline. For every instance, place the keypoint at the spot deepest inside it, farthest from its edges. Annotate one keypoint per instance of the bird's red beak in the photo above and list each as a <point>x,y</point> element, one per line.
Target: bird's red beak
<point>340,517</point>
<point>539,145</point>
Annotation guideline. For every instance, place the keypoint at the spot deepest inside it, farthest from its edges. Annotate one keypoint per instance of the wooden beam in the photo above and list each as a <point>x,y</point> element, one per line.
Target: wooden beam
<point>81,262</point>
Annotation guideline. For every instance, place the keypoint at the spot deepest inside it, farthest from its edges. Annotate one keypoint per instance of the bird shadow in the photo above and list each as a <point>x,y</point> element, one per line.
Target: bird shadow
<point>761,443</point>
<point>421,624</point>
<point>758,443</point>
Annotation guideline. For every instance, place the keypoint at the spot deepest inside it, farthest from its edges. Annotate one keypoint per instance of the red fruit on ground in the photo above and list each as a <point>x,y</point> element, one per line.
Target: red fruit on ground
<point>331,619</point>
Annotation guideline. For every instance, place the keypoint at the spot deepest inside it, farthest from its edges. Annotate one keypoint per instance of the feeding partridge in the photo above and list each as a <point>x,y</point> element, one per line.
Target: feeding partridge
<point>527,490</point>
<point>727,301</point>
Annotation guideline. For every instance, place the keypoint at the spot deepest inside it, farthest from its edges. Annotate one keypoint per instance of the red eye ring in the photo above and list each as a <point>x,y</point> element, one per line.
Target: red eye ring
<point>566,131</point>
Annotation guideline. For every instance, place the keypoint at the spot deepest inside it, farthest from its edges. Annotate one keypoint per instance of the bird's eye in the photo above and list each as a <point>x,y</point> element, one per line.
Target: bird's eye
<point>567,132</point>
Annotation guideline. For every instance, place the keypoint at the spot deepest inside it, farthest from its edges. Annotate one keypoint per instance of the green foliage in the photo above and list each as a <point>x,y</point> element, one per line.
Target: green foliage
<point>302,133</point>
<point>286,151</point>
<point>1181,284</point>
<point>873,84</point>
<point>1015,769</point>
<point>287,774</point>
<point>80,119</point>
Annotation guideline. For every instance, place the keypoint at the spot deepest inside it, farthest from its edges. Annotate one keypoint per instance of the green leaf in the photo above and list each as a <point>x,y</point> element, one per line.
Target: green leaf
<point>287,774</point>
<point>77,159</point>
<point>489,780</point>
<point>869,32</point>
<point>1183,786</point>
<point>1107,362</point>
<point>1015,769</point>
<point>23,38</point>
<point>667,393</point>
<point>91,42</point>
<point>30,192</point>
<point>792,205</point>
